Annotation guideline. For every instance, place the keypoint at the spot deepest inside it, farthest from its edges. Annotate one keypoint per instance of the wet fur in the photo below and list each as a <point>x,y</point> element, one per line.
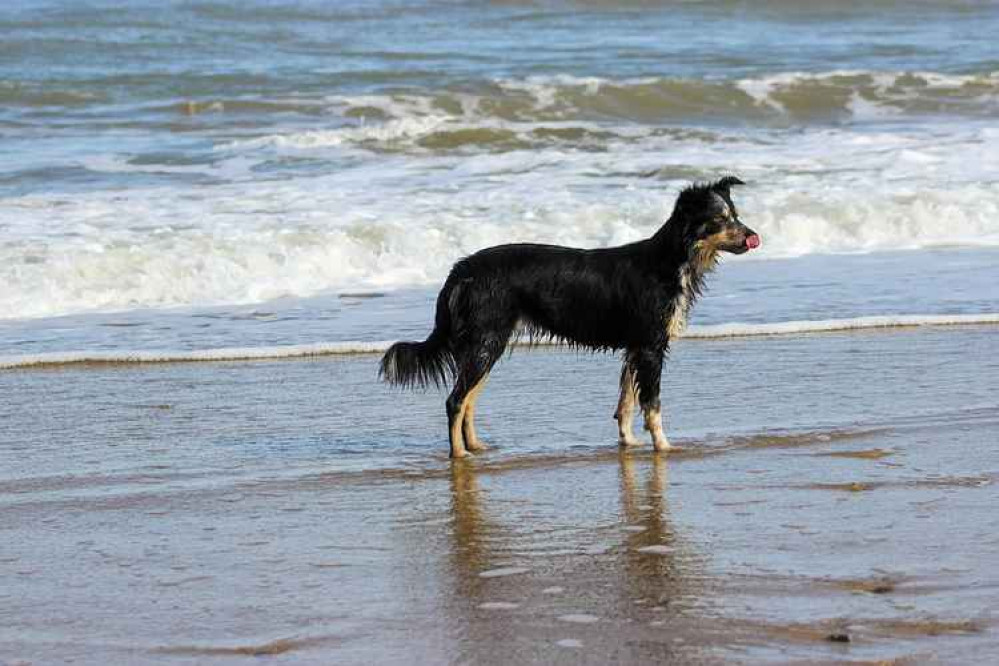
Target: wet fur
<point>633,298</point>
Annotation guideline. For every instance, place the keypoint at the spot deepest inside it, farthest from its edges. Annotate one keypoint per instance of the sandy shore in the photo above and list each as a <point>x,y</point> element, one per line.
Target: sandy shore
<point>222,513</point>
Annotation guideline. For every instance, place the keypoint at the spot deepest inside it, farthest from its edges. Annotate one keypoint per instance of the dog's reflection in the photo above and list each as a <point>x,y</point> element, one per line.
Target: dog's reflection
<point>647,547</point>
<point>652,553</point>
<point>471,526</point>
<point>517,564</point>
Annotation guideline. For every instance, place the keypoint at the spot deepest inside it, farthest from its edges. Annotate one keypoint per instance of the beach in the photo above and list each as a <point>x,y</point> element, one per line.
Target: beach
<point>216,216</point>
<point>299,510</point>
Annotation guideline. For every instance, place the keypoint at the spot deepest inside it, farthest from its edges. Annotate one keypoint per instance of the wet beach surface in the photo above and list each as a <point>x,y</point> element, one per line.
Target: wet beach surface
<point>831,501</point>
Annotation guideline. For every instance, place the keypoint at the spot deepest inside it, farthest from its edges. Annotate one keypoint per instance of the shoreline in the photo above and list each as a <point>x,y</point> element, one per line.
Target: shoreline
<point>84,359</point>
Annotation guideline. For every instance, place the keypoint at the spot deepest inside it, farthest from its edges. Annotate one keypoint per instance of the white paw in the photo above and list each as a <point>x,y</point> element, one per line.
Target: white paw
<point>662,444</point>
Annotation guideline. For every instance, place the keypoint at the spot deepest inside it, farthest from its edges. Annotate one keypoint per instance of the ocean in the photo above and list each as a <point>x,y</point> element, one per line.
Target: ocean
<point>219,179</point>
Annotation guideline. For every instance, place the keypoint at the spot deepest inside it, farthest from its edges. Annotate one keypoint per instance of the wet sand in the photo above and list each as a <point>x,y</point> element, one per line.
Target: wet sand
<point>832,501</point>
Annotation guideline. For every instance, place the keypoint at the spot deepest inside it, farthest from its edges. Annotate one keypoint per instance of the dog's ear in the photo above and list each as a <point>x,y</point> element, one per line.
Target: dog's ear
<point>725,184</point>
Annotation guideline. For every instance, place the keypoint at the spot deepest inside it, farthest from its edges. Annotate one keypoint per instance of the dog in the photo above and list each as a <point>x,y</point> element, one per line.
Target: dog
<point>633,297</point>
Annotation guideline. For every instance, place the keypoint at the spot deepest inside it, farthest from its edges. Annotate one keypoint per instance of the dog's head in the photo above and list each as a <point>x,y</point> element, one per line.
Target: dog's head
<point>710,221</point>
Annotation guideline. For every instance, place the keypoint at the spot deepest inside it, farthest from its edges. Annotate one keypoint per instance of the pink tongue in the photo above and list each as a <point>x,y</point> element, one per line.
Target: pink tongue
<point>752,242</point>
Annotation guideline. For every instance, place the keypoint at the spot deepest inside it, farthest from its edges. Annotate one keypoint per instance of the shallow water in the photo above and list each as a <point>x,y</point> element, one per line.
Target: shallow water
<point>334,414</point>
<point>826,488</point>
<point>751,298</point>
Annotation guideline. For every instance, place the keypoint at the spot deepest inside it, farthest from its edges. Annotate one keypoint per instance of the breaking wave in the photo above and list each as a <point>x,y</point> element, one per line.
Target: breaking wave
<point>538,111</point>
<point>387,190</point>
<point>800,96</point>
<point>190,253</point>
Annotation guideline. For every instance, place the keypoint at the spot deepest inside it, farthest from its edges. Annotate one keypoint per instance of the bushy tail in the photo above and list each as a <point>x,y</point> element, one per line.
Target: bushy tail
<point>419,364</point>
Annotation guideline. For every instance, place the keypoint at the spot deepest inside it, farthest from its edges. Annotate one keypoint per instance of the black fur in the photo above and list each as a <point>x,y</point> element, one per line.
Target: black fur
<point>618,298</point>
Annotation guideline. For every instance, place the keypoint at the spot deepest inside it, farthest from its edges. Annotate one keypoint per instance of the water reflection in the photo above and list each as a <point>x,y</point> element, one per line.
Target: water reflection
<point>532,573</point>
<point>473,530</point>
<point>653,553</point>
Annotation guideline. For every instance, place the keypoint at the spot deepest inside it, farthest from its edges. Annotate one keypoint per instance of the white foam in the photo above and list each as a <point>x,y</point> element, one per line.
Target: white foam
<point>193,356</point>
<point>874,94</point>
<point>285,241</point>
<point>656,550</point>
<point>388,222</point>
<point>579,618</point>
<point>390,131</point>
<point>718,331</point>
<point>498,605</point>
<point>830,325</point>
<point>405,118</point>
<point>503,571</point>
<point>546,88</point>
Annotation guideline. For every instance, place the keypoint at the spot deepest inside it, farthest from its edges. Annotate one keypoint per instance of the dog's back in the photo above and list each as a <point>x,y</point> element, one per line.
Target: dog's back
<point>591,298</point>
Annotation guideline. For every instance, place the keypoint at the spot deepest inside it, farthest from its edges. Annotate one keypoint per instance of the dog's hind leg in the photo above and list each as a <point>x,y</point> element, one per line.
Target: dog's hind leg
<point>472,370</point>
<point>648,372</point>
<point>455,404</point>
<point>472,441</point>
<point>626,405</point>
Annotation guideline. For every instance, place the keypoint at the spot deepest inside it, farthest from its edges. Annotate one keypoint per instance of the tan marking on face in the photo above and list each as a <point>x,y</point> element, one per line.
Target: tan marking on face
<point>727,236</point>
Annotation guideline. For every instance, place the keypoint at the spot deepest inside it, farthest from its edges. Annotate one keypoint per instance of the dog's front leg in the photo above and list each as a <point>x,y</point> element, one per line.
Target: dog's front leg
<point>654,424</point>
<point>648,372</point>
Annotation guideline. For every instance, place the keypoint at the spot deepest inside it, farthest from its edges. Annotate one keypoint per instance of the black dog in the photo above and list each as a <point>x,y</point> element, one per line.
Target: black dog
<point>634,297</point>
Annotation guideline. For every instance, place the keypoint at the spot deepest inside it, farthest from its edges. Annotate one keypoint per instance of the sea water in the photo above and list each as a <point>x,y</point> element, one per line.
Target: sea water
<point>241,179</point>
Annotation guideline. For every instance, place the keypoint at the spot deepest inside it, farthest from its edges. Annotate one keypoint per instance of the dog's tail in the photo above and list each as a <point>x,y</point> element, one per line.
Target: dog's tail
<point>419,364</point>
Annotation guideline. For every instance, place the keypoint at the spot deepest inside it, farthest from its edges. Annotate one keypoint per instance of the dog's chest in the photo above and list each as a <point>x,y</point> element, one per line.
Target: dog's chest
<point>676,311</point>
